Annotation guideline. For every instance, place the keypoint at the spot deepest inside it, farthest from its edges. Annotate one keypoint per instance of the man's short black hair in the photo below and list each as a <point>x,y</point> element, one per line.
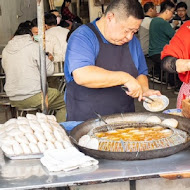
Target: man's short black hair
<point>35,22</point>
<point>26,24</point>
<point>50,19</point>
<point>147,6</point>
<point>166,5</point>
<point>23,31</point>
<point>126,8</point>
<point>181,5</point>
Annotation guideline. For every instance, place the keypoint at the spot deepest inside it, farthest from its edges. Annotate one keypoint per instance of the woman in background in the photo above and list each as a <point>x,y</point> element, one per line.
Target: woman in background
<point>66,13</point>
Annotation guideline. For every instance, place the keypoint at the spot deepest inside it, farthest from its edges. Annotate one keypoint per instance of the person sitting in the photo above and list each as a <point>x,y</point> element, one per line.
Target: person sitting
<point>21,63</point>
<point>54,31</point>
<point>26,24</point>
<point>188,5</point>
<point>53,46</point>
<point>66,13</point>
<point>176,58</point>
<point>60,21</point>
<point>57,14</point>
<point>181,16</point>
<point>143,33</point>
<point>160,34</point>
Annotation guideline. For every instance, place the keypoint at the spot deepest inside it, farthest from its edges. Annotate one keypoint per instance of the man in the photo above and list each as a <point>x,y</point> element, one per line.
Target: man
<point>54,48</point>
<point>21,63</point>
<point>150,12</point>
<point>61,22</point>
<point>54,31</point>
<point>188,6</point>
<point>160,34</point>
<point>102,56</point>
<point>181,16</point>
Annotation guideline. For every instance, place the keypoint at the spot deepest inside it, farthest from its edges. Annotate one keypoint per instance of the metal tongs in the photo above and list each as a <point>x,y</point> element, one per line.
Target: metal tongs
<point>148,102</point>
<point>101,119</point>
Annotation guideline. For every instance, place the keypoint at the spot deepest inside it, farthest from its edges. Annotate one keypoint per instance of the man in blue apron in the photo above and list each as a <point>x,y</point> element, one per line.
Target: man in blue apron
<point>101,56</point>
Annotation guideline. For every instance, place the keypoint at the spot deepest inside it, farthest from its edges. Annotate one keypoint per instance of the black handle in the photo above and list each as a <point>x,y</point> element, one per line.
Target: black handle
<point>125,88</point>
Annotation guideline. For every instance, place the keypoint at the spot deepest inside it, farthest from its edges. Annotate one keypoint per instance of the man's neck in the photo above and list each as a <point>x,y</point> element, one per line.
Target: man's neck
<point>148,15</point>
<point>162,15</point>
<point>51,26</point>
<point>100,24</point>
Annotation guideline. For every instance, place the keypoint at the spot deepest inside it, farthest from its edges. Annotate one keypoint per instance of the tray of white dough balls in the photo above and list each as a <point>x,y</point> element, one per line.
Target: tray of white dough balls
<point>28,137</point>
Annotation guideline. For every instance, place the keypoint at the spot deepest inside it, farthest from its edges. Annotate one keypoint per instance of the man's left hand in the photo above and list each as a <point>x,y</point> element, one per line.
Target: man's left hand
<point>151,92</point>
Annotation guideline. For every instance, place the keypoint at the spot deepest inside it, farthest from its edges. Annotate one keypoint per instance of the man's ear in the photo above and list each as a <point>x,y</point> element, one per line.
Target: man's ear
<point>150,10</point>
<point>46,27</point>
<point>110,16</point>
<point>167,11</point>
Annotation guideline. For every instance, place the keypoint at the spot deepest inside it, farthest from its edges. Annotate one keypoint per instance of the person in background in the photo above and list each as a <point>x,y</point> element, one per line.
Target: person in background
<point>160,34</point>
<point>74,27</point>
<point>181,15</point>
<point>53,31</point>
<point>66,13</point>
<point>61,22</point>
<point>57,14</point>
<point>26,24</point>
<point>21,63</point>
<point>34,29</point>
<point>176,58</point>
<point>143,33</point>
<point>101,56</point>
<point>188,6</point>
<point>54,49</point>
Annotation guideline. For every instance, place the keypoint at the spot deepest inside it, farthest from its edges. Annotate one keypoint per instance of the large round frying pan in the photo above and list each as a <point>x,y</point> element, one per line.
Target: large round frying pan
<point>84,128</point>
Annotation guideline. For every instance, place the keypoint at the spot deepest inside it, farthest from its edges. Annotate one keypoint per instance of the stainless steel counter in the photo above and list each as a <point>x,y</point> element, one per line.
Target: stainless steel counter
<point>30,174</point>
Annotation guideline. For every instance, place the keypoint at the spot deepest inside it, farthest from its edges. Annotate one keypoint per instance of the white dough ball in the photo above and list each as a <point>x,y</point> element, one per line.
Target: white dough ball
<point>58,145</point>
<point>32,138</point>
<point>51,118</point>
<point>42,147</point>
<point>93,143</point>
<point>17,149</point>
<point>153,119</point>
<point>50,145</point>
<point>84,140</point>
<point>34,148</point>
<point>8,149</point>
<point>25,148</point>
<point>31,116</point>
<point>41,116</point>
<point>170,122</point>
<point>10,121</point>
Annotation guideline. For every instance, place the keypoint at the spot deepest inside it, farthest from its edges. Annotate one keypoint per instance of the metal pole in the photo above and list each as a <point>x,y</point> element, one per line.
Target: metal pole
<point>132,184</point>
<point>41,33</point>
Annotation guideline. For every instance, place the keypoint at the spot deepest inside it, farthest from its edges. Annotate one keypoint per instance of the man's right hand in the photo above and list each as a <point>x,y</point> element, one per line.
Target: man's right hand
<point>134,88</point>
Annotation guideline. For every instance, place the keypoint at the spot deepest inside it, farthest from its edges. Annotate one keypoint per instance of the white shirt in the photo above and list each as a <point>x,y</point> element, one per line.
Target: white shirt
<point>56,42</point>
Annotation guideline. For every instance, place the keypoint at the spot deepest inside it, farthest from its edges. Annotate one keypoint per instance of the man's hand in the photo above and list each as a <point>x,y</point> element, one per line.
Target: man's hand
<point>50,56</point>
<point>151,92</point>
<point>134,88</point>
<point>175,22</point>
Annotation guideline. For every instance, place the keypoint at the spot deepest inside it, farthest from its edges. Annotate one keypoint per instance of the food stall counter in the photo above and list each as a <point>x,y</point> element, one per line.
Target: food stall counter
<point>30,174</point>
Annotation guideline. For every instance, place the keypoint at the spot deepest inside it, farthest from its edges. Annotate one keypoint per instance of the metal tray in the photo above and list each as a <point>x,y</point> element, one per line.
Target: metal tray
<point>24,156</point>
